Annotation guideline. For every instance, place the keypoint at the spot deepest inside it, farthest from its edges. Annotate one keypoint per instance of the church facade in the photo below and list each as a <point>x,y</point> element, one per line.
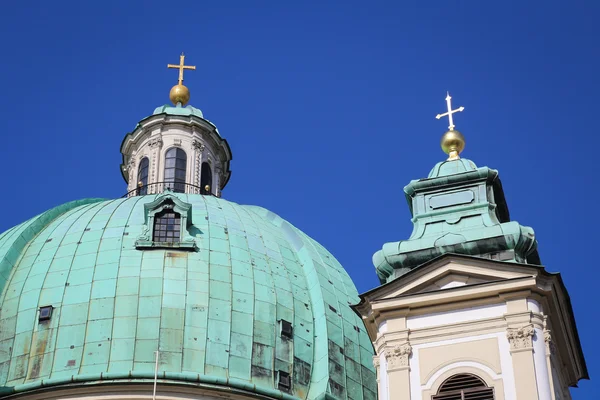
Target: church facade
<point>465,309</point>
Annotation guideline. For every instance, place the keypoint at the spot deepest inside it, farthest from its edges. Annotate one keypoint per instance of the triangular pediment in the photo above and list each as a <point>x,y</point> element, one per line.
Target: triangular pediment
<point>450,272</point>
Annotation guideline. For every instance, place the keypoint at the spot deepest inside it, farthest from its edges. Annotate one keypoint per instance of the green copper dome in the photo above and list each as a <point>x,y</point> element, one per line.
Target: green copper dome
<point>178,110</point>
<point>451,167</point>
<point>214,312</point>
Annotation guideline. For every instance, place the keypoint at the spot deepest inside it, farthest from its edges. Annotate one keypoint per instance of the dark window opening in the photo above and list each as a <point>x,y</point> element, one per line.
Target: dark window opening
<point>45,313</point>
<point>142,180</point>
<point>205,179</point>
<point>167,227</point>
<point>284,381</point>
<point>464,387</point>
<point>287,330</point>
<point>175,169</point>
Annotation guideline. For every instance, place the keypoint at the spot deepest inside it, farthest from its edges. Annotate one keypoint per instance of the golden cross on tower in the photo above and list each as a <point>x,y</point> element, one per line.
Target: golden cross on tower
<point>450,112</point>
<point>181,67</point>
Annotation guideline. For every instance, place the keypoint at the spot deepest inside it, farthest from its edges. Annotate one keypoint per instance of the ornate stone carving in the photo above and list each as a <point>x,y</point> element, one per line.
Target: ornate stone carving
<point>521,338</point>
<point>177,142</point>
<point>198,145</point>
<point>155,142</point>
<point>376,361</point>
<point>397,356</point>
<point>145,235</point>
<point>131,171</point>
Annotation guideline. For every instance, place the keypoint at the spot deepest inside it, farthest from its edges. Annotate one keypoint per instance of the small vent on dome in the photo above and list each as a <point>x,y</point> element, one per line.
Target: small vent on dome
<point>287,331</point>
<point>45,313</point>
<point>284,381</point>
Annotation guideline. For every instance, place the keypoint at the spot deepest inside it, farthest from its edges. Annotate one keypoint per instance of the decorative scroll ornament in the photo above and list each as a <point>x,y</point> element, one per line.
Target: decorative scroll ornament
<point>198,145</point>
<point>156,142</point>
<point>145,235</point>
<point>548,338</point>
<point>131,169</point>
<point>397,356</point>
<point>521,338</point>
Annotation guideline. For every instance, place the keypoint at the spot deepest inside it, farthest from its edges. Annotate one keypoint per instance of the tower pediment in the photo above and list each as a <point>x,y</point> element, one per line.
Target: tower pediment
<point>451,272</point>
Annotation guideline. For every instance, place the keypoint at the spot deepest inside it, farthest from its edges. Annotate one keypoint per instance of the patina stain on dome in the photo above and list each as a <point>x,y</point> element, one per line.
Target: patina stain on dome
<point>215,314</point>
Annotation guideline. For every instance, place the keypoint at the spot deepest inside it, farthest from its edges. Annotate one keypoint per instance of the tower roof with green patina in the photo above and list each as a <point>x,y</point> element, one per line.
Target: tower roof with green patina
<point>458,208</point>
<point>214,314</point>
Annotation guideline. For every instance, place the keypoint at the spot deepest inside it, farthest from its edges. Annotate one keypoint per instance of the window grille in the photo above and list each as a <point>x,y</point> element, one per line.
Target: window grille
<point>464,387</point>
<point>167,227</point>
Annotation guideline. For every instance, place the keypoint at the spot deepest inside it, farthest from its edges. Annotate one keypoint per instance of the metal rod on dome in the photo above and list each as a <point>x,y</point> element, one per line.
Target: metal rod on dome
<point>155,376</point>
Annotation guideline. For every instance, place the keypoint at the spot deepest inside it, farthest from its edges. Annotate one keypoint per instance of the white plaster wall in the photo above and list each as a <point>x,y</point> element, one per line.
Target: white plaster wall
<point>534,306</point>
<point>507,374</point>
<point>452,317</point>
<point>382,327</point>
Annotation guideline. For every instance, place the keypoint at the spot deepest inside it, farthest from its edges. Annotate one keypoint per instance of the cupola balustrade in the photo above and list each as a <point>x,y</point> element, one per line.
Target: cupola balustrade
<point>161,187</point>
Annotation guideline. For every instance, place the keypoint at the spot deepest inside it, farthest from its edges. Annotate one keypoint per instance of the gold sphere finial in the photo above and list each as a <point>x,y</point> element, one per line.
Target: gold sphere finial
<point>453,143</point>
<point>179,94</point>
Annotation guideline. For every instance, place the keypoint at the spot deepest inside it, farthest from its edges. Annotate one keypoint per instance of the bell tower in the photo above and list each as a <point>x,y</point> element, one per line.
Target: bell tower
<point>465,309</point>
<point>176,149</point>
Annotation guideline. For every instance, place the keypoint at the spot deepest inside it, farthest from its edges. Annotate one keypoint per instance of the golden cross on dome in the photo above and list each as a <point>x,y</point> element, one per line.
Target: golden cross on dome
<point>181,67</point>
<point>450,112</point>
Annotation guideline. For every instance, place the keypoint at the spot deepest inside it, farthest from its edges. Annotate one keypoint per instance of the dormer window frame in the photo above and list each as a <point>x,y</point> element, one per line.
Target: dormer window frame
<point>165,203</point>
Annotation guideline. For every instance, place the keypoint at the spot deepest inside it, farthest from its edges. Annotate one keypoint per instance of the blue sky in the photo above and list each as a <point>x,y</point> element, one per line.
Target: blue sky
<point>329,110</point>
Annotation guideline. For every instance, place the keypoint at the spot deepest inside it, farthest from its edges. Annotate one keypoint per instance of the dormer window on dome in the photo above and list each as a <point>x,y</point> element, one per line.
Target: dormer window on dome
<point>167,221</point>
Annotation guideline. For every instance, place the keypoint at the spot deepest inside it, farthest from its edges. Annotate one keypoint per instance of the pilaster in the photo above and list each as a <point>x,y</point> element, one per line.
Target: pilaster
<point>521,349</point>
<point>377,365</point>
<point>398,370</point>
<point>131,173</point>
<point>549,350</point>
<point>198,153</point>
<point>155,145</point>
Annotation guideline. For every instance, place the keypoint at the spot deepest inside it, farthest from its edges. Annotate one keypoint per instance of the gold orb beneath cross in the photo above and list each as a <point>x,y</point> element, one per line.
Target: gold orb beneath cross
<point>179,94</point>
<point>453,143</point>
